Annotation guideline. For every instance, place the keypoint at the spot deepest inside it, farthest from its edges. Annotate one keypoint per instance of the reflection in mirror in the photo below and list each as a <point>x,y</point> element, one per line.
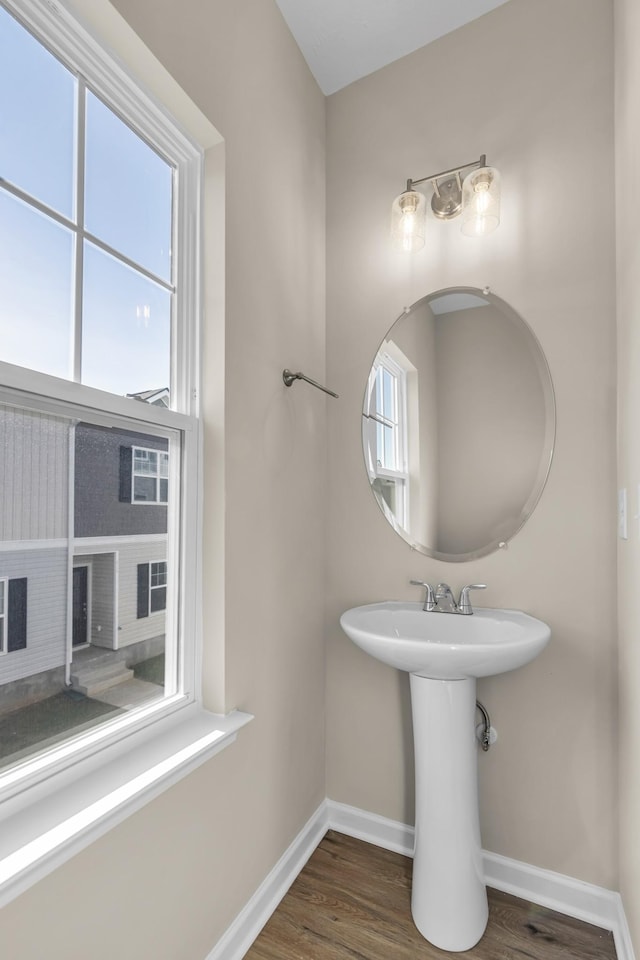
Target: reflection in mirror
<point>458,424</point>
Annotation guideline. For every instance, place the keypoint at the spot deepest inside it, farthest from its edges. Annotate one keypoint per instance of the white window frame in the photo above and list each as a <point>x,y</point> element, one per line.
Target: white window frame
<point>56,804</point>
<point>157,476</point>
<point>400,475</point>
<point>4,616</point>
<point>22,385</point>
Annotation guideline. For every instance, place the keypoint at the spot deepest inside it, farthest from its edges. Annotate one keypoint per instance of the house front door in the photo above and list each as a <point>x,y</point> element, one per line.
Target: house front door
<point>80,605</point>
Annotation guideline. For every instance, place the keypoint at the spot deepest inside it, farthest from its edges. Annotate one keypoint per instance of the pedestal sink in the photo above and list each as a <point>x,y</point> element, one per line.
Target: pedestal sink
<point>444,654</point>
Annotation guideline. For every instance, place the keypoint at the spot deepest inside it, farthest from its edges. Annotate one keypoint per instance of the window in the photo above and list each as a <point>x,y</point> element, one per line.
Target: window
<point>150,482</point>
<point>13,614</point>
<point>385,435</point>
<point>152,588</point>
<point>99,327</point>
<point>158,586</point>
<point>58,796</point>
<point>3,616</point>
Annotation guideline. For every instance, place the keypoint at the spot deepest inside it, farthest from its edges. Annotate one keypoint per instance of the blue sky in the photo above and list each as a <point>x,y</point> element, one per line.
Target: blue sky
<point>126,316</point>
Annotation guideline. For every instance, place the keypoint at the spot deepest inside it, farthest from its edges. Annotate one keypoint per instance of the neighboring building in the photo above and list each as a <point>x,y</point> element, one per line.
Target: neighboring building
<point>157,398</point>
<point>111,517</point>
<point>34,531</point>
<point>120,528</point>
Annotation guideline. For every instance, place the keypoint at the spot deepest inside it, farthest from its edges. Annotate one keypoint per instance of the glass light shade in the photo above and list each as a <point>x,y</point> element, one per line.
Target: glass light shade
<point>481,202</point>
<point>408,217</point>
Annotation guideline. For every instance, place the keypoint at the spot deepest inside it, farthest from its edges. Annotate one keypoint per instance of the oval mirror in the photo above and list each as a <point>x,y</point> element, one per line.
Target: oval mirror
<point>458,424</point>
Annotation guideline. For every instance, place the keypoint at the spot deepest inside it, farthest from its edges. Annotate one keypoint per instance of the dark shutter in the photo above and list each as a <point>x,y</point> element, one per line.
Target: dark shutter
<point>143,590</point>
<point>126,465</point>
<point>17,610</point>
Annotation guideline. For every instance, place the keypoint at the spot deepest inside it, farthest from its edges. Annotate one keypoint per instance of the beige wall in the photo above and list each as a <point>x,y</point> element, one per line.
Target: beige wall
<point>167,882</point>
<point>627,44</point>
<point>491,399</point>
<point>538,102</point>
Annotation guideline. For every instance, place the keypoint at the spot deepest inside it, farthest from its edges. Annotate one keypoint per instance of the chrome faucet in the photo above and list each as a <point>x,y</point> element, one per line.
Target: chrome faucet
<point>445,602</point>
<point>441,600</point>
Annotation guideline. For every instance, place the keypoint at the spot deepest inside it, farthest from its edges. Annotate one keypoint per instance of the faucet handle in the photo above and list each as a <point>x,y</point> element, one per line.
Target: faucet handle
<point>429,600</point>
<point>464,604</point>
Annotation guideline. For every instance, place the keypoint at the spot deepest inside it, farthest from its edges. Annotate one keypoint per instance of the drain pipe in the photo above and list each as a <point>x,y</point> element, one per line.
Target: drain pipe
<point>70,532</point>
<point>484,731</point>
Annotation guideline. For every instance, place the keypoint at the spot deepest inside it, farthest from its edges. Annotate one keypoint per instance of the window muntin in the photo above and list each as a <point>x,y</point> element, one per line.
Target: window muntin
<point>150,476</point>
<point>28,383</point>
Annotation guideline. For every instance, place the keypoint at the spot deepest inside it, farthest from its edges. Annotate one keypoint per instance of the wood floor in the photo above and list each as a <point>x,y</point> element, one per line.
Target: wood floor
<point>352,902</point>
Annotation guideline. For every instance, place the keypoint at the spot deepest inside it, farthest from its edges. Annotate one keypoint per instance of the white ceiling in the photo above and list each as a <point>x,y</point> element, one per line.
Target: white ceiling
<point>343,40</point>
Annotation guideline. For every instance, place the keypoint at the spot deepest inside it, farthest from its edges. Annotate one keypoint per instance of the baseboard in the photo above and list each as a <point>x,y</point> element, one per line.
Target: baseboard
<point>574,898</point>
<point>371,827</point>
<point>247,925</point>
<point>584,901</point>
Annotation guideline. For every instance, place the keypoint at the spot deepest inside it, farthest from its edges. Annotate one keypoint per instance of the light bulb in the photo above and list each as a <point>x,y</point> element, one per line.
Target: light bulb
<point>481,199</point>
<point>408,221</point>
<point>481,202</point>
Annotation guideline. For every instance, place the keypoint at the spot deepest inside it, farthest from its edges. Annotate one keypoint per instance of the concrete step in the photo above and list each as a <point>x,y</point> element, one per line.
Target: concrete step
<point>98,676</point>
<point>134,693</point>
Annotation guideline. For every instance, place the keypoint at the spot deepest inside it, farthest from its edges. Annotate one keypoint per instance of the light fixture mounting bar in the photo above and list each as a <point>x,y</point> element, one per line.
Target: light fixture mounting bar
<point>434,177</point>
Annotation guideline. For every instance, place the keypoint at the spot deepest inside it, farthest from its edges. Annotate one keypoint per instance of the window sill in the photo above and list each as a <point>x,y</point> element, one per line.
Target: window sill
<point>37,837</point>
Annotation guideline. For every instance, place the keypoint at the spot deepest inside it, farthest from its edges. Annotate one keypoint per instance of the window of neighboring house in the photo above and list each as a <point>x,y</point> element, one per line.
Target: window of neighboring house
<point>152,588</point>
<point>3,616</point>
<point>386,435</point>
<point>150,481</point>
<point>13,614</point>
<point>99,259</point>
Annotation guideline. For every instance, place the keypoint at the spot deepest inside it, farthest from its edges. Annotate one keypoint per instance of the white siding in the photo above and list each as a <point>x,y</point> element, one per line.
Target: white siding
<point>34,466</point>
<point>103,601</point>
<point>46,573</point>
<point>130,628</point>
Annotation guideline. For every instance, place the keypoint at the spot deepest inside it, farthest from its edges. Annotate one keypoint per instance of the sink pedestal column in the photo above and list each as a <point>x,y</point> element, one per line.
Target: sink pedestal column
<point>449,898</point>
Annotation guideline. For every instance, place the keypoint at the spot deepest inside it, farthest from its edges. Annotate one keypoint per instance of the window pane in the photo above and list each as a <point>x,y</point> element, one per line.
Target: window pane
<point>37,118</point>
<point>144,490</point>
<point>128,191</point>
<point>126,327</point>
<point>389,393</point>
<point>378,391</point>
<point>158,599</point>
<point>164,491</point>
<point>145,461</point>
<point>36,305</point>
<point>388,459</point>
<point>88,626</point>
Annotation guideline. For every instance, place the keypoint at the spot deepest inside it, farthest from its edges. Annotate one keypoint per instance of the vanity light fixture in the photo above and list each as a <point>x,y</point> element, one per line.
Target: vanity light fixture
<point>474,194</point>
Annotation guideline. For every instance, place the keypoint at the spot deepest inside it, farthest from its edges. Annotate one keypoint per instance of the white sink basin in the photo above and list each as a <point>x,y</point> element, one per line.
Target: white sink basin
<point>445,646</point>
